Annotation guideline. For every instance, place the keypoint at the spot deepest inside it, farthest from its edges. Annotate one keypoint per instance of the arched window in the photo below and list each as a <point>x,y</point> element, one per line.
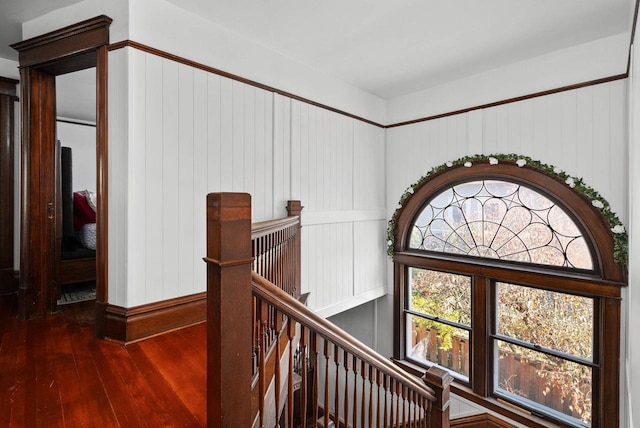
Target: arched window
<point>505,275</point>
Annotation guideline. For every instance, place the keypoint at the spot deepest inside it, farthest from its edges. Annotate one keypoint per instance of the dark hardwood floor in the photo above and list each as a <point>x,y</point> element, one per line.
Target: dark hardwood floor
<point>55,373</point>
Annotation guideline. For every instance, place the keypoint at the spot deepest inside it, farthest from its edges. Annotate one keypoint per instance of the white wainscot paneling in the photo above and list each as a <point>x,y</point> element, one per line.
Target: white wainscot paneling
<point>183,132</point>
<point>580,131</point>
<point>322,145</point>
<point>369,264</point>
<point>191,133</point>
<point>369,171</point>
<point>118,175</point>
<point>343,259</point>
<point>327,265</point>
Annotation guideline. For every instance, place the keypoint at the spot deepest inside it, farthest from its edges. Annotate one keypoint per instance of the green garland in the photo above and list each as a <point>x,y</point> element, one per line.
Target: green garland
<point>618,230</point>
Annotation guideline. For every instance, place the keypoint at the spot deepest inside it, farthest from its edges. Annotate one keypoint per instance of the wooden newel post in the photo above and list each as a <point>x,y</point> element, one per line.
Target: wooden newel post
<point>229,309</point>
<point>439,380</point>
<point>294,208</point>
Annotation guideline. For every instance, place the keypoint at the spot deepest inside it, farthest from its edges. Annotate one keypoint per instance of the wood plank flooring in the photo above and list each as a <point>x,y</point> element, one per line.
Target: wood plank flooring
<point>55,373</point>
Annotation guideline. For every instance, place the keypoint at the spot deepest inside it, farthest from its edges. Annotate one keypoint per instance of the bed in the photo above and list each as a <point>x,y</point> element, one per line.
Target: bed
<point>78,255</point>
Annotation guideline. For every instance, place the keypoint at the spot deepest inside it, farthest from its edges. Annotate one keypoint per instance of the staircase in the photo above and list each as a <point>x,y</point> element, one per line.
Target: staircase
<point>272,362</point>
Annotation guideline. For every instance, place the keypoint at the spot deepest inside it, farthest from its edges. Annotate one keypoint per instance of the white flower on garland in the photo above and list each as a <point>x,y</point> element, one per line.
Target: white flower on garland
<point>618,228</point>
<point>620,238</point>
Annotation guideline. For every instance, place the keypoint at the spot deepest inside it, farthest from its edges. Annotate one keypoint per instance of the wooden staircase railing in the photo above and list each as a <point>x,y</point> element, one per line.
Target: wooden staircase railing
<point>273,362</point>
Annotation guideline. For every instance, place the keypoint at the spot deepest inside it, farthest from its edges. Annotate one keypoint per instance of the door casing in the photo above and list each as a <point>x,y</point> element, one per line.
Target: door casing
<point>73,48</point>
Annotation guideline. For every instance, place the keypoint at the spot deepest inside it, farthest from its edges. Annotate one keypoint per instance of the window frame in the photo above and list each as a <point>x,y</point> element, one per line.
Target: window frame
<point>603,284</point>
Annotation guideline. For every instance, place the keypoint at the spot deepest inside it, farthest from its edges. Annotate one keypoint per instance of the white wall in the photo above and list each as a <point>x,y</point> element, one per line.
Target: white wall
<point>582,63</point>
<point>337,167</point>
<point>177,133</point>
<point>82,140</point>
<point>167,27</point>
<point>9,69</point>
<point>581,131</point>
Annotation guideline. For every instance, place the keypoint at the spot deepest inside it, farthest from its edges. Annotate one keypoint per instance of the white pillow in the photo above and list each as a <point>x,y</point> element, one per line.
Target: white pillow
<point>87,236</point>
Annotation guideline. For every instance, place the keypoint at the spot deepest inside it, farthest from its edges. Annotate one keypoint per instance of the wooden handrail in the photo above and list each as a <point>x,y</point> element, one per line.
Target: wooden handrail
<point>255,322</point>
<point>264,228</point>
<point>306,317</point>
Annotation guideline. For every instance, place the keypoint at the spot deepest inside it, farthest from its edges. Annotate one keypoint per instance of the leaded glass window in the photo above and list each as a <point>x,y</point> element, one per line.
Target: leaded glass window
<point>500,220</point>
<point>505,279</point>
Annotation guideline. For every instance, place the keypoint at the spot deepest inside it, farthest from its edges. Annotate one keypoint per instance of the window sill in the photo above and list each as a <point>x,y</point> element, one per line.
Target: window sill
<point>498,406</point>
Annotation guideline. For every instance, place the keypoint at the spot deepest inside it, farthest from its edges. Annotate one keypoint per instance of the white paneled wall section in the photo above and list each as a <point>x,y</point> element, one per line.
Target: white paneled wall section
<point>581,131</point>
<point>177,133</point>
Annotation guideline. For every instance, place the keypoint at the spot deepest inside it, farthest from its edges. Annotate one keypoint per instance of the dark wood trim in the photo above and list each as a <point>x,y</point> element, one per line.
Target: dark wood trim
<point>609,331</point>
<point>182,60</point>
<point>8,87</point>
<point>102,187</point>
<point>198,65</point>
<point>7,174</point>
<point>514,99</point>
<point>67,49</point>
<point>132,324</point>
<point>37,225</point>
<point>479,366</point>
<point>633,34</point>
<point>603,284</point>
<point>484,420</point>
<point>72,48</point>
<point>593,224</point>
<point>229,310</point>
<point>527,275</point>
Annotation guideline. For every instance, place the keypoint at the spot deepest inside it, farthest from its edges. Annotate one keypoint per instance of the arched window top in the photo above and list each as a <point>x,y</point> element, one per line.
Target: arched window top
<point>479,209</point>
<point>500,219</point>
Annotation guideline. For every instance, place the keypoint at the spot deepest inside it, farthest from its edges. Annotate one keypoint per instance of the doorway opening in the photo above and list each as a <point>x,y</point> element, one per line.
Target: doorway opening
<point>76,181</point>
<point>42,59</point>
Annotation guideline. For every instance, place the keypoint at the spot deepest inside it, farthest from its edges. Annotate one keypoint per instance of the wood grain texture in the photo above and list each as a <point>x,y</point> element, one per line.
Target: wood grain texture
<point>7,160</point>
<point>132,324</point>
<point>55,373</point>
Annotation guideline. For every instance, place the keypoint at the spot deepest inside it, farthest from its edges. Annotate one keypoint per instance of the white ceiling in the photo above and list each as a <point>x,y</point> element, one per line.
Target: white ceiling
<point>390,48</point>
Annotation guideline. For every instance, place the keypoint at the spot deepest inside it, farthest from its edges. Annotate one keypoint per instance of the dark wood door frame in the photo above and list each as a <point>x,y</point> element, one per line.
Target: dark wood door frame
<point>73,48</point>
<point>7,171</point>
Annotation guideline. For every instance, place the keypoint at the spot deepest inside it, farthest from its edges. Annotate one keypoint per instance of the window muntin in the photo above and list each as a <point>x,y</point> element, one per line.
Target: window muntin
<point>439,319</point>
<point>543,350</point>
<point>500,220</point>
<point>601,282</point>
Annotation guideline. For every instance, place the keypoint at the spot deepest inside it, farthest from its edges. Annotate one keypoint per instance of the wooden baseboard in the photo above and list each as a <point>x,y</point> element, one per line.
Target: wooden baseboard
<point>484,420</point>
<point>131,324</point>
